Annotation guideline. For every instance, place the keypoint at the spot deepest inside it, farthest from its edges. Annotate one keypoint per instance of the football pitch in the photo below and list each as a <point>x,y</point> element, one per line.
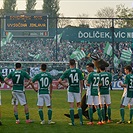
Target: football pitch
<point>60,107</point>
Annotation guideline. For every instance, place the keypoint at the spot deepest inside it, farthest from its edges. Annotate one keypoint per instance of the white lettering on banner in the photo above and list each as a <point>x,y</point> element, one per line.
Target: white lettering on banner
<point>107,35</point>
<point>129,34</point>
<point>93,34</point>
<point>97,34</point>
<point>116,85</point>
<point>6,71</point>
<point>119,34</point>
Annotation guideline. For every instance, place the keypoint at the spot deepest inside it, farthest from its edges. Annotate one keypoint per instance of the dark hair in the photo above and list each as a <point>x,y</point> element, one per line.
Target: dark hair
<point>43,66</point>
<point>90,65</point>
<point>102,67</point>
<point>128,68</point>
<point>72,62</point>
<point>18,65</point>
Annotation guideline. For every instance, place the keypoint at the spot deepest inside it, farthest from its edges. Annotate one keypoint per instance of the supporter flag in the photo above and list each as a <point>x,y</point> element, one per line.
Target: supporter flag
<point>126,55</point>
<point>59,36</point>
<point>108,49</point>
<point>34,56</point>
<point>9,37</point>
<point>116,61</point>
<point>78,54</point>
<point>3,42</point>
<point>37,56</point>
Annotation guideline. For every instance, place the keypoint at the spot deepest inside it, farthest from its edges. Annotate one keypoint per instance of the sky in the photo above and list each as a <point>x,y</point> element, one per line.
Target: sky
<point>74,8</point>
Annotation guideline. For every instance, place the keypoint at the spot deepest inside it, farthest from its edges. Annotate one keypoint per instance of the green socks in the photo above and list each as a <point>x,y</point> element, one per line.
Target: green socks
<point>40,111</point>
<point>27,116</point>
<point>99,114</point>
<point>72,115</point>
<point>131,114</point>
<point>16,115</point>
<point>122,113</point>
<point>109,113</point>
<point>80,115</point>
<point>49,114</point>
<point>103,114</point>
<point>90,112</point>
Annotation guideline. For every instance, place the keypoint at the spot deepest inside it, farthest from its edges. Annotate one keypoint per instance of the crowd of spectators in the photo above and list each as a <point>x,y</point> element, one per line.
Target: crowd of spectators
<point>47,50</point>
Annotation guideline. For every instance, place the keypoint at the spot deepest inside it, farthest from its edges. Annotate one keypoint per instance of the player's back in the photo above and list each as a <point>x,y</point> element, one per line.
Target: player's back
<point>93,80</point>
<point>105,81</point>
<point>129,82</point>
<point>74,76</point>
<point>44,80</point>
<point>18,77</point>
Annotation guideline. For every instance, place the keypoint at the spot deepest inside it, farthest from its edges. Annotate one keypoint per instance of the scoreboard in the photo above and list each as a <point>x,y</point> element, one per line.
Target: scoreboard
<point>26,23</point>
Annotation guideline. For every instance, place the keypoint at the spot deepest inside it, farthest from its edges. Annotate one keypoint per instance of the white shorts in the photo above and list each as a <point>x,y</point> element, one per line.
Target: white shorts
<point>104,99</point>
<point>18,97</point>
<point>126,100</point>
<point>92,100</point>
<point>72,96</point>
<point>44,98</point>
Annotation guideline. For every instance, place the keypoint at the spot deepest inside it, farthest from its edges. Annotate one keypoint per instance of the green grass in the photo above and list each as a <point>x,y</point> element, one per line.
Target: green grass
<point>60,107</point>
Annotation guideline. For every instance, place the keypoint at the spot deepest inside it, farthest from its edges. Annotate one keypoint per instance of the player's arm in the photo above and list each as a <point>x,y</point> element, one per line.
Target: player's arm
<point>81,86</point>
<point>6,81</point>
<point>26,85</point>
<point>63,84</point>
<point>122,85</point>
<point>50,88</point>
<point>32,85</point>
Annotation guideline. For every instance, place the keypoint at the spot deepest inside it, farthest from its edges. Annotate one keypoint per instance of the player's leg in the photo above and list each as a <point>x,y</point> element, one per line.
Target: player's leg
<point>16,113</point>
<point>84,107</point>
<point>0,115</point>
<point>22,99</point>
<point>48,104</point>
<point>90,109</point>
<point>40,104</point>
<point>41,115</point>
<point>130,111</point>
<point>0,109</point>
<point>124,102</point>
<point>71,103</point>
<point>96,103</point>
<point>101,102</point>
<point>78,100</point>
<point>15,104</point>
<point>108,103</point>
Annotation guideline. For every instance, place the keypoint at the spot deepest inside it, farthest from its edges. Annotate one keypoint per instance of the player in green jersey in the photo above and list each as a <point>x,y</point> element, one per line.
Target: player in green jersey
<point>44,80</point>
<point>18,90</point>
<point>127,98</point>
<point>92,92</point>
<point>1,80</point>
<point>104,95</point>
<point>75,80</point>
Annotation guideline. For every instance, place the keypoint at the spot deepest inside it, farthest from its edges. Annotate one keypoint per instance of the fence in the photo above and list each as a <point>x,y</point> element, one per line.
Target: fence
<point>44,39</point>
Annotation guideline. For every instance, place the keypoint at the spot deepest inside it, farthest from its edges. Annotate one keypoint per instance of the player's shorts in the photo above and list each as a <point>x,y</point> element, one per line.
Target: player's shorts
<point>126,100</point>
<point>104,99</point>
<point>18,97</point>
<point>72,96</point>
<point>44,99</point>
<point>92,100</point>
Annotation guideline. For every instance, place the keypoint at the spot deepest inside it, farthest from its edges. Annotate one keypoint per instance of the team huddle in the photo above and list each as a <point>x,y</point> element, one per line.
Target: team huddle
<point>97,93</point>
